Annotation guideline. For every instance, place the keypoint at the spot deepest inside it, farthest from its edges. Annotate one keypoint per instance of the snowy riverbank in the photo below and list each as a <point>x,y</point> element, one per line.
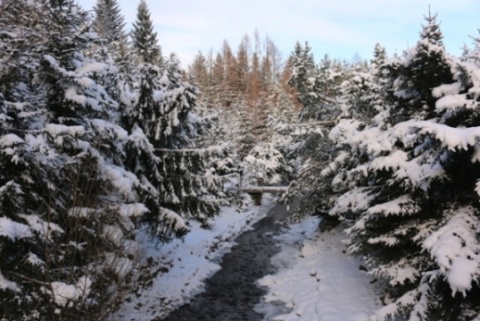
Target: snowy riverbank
<point>181,267</point>
<point>316,280</point>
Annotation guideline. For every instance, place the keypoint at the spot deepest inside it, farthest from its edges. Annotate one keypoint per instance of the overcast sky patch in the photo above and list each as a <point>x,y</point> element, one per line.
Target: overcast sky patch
<point>341,29</point>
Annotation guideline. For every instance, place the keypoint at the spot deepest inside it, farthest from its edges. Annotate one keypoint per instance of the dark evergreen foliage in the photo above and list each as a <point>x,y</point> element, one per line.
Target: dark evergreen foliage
<point>144,39</point>
<point>110,26</point>
<point>304,78</point>
<point>424,68</point>
<point>109,22</point>
<point>408,182</point>
<point>74,184</point>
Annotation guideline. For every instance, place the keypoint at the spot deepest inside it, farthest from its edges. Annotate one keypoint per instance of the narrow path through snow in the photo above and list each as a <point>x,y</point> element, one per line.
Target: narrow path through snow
<point>231,294</point>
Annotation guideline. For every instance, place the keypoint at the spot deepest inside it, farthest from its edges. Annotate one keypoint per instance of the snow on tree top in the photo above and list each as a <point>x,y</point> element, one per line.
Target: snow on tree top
<point>63,293</point>
<point>53,62</point>
<point>447,89</point>
<point>10,140</point>
<point>452,138</point>
<point>14,230</point>
<point>57,129</point>
<point>86,82</point>
<point>8,285</point>
<point>92,67</point>
<point>395,207</point>
<point>454,247</point>
<point>452,102</point>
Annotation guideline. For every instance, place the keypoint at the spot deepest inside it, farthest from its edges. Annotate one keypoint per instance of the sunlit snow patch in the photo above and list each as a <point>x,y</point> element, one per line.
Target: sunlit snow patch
<point>316,280</point>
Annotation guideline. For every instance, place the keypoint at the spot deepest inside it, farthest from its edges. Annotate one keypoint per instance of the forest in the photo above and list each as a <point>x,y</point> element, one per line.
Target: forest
<point>103,136</point>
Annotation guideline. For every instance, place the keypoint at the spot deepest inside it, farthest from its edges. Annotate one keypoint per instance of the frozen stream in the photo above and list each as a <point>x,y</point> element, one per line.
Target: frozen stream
<point>232,294</point>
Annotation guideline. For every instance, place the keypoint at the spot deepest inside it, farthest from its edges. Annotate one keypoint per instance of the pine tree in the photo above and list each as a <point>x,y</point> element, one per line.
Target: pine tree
<point>144,38</point>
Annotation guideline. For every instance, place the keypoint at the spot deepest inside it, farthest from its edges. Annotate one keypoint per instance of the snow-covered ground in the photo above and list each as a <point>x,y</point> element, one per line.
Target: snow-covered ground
<point>180,268</point>
<point>316,280</point>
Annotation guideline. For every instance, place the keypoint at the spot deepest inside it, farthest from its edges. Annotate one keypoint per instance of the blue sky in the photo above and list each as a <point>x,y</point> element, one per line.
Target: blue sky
<point>340,28</point>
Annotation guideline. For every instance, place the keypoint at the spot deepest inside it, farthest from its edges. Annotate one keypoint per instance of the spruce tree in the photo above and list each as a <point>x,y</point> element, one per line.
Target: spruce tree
<point>163,103</point>
<point>198,70</point>
<point>379,56</point>
<point>162,118</point>
<point>75,182</point>
<point>144,38</point>
<point>429,66</point>
<point>303,78</point>
<point>363,90</point>
<point>425,67</point>
<point>317,88</point>
<point>109,23</point>
<point>65,213</point>
<point>410,185</point>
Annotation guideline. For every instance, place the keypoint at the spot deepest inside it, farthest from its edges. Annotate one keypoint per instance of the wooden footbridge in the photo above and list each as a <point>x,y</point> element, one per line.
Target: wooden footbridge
<point>256,192</point>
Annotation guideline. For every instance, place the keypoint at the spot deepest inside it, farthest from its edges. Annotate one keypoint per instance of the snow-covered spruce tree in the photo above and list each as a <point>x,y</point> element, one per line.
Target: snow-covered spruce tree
<point>363,102</point>
<point>331,74</point>
<point>67,208</point>
<point>318,89</point>
<point>109,23</point>
<point>363,95</point>
<point>282,123</point>
<point>412,187</point>
<point>110,26</point>
<point>275,157</point>
<point>162,120</point>
<point>144,39</point>
<point>267,161</point>
<point>318,92</point>
<point>266,164</point>
<point>425,67</point>
<point>303,78</point>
